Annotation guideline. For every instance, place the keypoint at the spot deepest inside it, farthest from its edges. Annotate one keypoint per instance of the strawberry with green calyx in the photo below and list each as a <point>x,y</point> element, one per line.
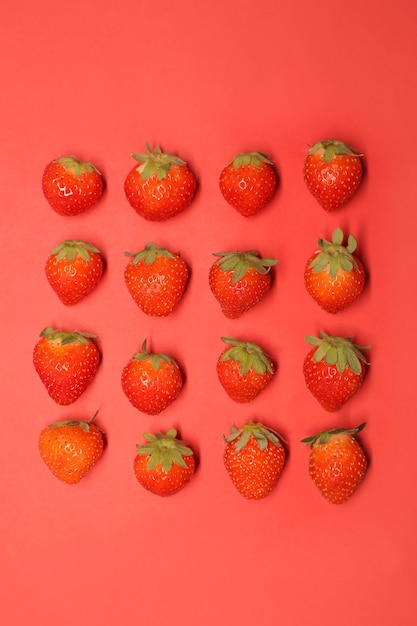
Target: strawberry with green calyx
<point>240,280</point>
<point>334,276</point>
<point>156,279</point>
<point>66,363</point>
<point>254,458</point>
<point>337,463</point>
<point>73,269</point>
<point>244,369</point>
<point>151,381</point>
<point>71,448</point>
<point>161,186</point>
<point>164,464</point>
<point>248,182</point>
<point>332,173</point>
<point>71,186</point>
<point>334,369</point>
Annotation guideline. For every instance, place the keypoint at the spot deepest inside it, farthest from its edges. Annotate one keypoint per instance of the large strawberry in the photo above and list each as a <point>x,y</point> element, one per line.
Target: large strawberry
<point>71,186</point>
<point>71,448</point>
<point>254,458</point>
<point>151,381</point>
<point>73,270</point>
<point>161,186</point>
<point>334,369</point>
<point>337,463</point>
<point>156,279</point>
<point>332,173</point>
<point>164,464</point>
<point>244,369</point>
<point>334,276</point>
<point>66,363</point>
<point>240,280</point>
<point>248,182</point>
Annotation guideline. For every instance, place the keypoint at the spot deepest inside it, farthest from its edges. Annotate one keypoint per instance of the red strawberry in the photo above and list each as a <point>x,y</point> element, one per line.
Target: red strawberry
<point>66,363</point>
<point>73,269</point>
<point>337,463</point>
<point>334,276</point>
<point>244,370</point>
<point>164,465</point>
<point>332,173</point>
<point>161,187</point>
<point>156,279</point>
<point>254,458</point>
<point>334,369</point>
<point>151,381</point>
<point>71,448</point>
<point>240,280</point>
<point>248,182</point>
<point>70,186</point>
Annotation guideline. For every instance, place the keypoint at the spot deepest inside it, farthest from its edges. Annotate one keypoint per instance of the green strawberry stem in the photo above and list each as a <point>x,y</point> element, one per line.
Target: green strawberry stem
<point>64,337</point>
<point>249,158</point>
<point>70,248</point>
<point>77,167</point>
<point>334,255</point>
<point>155,358</point>
<point>248,354</point>
<point>83,424</point>
<point>149,254</point>
<point>338,351</point>
<point>155,162</point>
<point>240,262</point>
<point>164,450</point>
<point>261,433</point>
<point>329,148</point>
<point>324,436</point>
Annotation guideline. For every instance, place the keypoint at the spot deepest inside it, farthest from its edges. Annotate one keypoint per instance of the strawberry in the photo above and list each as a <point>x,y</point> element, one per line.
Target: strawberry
<point>240,280</point>
<point>244,370</point>
<point>66,363</point>
<point>334,277</point>
<point>248,182</point>
<point>73,269</point>
<point>71,186</point>
<point>164,464</point>
<point>71,448</point>
<point>337,463</point>
<point>151,381</point>
<point>161,186</point>
<point>156,279</point>
<point>332,173</point>
<point>254,458</point>
<point>334,369</point>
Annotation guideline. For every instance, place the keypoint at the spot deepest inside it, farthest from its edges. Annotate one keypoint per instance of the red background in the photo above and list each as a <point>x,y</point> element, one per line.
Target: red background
<point>206,81</point>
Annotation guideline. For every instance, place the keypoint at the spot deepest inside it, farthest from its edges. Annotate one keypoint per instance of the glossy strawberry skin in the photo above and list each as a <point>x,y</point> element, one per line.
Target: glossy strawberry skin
<point>248,188</point>
<point>240,385</point>
<point>71,187</point>
<point>71,449</point>
<point>162,482</point>
<point>235,299</point>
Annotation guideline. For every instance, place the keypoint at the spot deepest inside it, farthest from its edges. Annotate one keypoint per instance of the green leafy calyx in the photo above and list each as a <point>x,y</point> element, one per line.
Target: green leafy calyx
<point>240,262</point>
<point>76,167</point>
<point>331,148</point>
<point>338,351</point>
<point>149,254</point>
<point>249,158</point>
<point>64,337</point>
<point>155,358</point>
<point>261,434</point>
<point>325,436</point>
<point>333,256</point>
<point>249,355</point>
<point>85,425</point>
<point>164,449</point>
<point>71,248</point>
<point>155,162</point>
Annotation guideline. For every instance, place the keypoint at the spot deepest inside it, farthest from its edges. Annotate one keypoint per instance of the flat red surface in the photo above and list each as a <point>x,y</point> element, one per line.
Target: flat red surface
<point>206,81</point>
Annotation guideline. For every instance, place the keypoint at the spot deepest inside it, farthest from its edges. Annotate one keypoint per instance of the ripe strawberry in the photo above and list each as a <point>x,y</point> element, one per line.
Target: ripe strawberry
<point>240,280</point>
<point>334,369</point>
<point>71,448</point>
<point>156,279</point>
<point>70,186</point>
<point>254,458</point>
<point>151,381</point>
<point>244,370</point>
<point>161,187</point>
<point>165,464</point>
<point>337,463</point>
<point>66,363</point>
<point>334,277</point>
<point>73,269</point>
<point>332,173</point>
<point>248,182</point>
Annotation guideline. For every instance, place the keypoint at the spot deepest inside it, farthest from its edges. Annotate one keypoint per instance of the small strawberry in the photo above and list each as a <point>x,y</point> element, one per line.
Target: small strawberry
<point>332,173</point>
<point>248,182</point>
<point>71,448</point>
<point>334,369</point>
<point>66,363</point>
<point>151,381</point>
<point>70,186</point>
<point>244,370</point>
<point>240,280</point>
<point>254,458</point>
<point>73,269</point>
<point>337,463</point>
<point>156,279</point>
<point>164,465</point>
<point>334,277</point>
<point>161,186</point>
